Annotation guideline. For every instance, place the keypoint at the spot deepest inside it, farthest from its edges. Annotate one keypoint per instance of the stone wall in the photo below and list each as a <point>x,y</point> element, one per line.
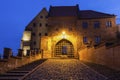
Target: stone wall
<point>13,62</point>
<point>105,55</point>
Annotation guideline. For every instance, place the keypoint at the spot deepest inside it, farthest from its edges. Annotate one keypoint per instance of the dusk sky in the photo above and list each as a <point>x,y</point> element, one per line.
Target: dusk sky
<point>16,14</point>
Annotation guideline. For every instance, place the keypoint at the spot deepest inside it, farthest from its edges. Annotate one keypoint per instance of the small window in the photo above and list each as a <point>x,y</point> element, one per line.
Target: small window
<point>40,24</point>
<point>46,24</point>
<point>34,43</point>
<point>85,25</point>
<point>46,16</point>
<point>108,24</point>
<point>97,39</point>
<point>46,34</point>
<point>33,34</point>
<point>96,24</point>
<point>41,16</point>
<point>39,34</point>
<point>85,40</point>
<point>34,24</point>
<point>56,29</point>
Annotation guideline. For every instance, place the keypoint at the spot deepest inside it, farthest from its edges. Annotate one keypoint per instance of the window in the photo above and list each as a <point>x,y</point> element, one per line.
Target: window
<point>34,43</point>
<point>46,34</point>
<point>97,39</point>
<point>33,34</point>
<point>34,24</point>
<point>40,24</point>
<point>84,25</point>
<point>108,24</point>
<point>41,16</point>
<point>56,29</point>
<point>85,40</point>
<point>96,24</point>
<point>46,24</point>
<point>39,34</point>
<point>46,16</point>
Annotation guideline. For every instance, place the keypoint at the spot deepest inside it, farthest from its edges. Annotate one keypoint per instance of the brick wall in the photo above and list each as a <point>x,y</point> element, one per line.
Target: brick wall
<point>108,56</point>
<point>13,62</point>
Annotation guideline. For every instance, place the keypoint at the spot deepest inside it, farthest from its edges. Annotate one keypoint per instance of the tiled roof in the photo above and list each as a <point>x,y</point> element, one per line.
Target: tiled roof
<point>85,14</point>
<point>62,11</point>
<point>58,11</point>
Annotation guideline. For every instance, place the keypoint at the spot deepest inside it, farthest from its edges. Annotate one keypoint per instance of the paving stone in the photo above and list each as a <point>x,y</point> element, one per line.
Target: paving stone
<point>64,69</point>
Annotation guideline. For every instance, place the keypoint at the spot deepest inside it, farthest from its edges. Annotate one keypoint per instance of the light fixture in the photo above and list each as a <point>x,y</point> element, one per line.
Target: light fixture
<point>63,35</point>
<point>63,32</point>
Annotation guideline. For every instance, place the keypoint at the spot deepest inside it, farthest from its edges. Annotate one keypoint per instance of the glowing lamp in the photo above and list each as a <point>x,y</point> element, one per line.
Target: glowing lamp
<point>63,34</point>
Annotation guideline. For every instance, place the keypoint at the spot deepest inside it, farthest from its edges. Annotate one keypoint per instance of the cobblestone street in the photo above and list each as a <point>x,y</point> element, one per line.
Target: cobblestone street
<point>64,69</point>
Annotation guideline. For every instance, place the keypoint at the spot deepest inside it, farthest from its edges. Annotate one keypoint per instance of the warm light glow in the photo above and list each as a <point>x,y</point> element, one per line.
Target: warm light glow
<point>25,48</point>
<point>63,32</point>
<point>26,36</point>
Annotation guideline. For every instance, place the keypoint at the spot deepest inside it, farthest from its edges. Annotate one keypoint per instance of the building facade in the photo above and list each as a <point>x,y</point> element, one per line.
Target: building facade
<point>65,30</point>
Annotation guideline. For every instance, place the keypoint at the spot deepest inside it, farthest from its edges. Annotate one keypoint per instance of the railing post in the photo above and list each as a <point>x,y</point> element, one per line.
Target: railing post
<point>7,53</point>
<point>20,53</point>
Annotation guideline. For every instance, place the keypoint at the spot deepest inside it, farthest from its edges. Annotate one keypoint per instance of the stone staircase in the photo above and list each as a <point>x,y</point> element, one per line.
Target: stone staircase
<point>21,72</point>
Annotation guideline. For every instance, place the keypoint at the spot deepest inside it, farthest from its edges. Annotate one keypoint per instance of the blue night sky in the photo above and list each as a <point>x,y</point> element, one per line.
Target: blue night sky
<point>16,14</point>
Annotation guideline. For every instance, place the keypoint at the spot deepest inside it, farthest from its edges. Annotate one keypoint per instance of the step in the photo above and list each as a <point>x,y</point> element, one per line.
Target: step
<point>13,74</point>
<point>26,69</point>
<point>18,72</point>
<point>10,78</point>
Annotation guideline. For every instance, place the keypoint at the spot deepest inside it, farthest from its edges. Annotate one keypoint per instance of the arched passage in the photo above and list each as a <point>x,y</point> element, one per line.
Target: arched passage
<point>64,47</point>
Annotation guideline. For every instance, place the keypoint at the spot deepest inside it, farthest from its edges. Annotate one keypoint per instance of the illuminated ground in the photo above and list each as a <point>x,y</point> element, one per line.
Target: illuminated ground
<point>64,69</point>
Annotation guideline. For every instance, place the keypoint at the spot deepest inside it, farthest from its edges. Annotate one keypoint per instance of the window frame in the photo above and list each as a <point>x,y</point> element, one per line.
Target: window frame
<point>46,34</point>
<point>40,24</point>
<point>33,34</point>
<point>96,24</point>
<point>41,17</point>
<point>40,34</point>
<point>97,39</point>
<point>85,40</point>
<point>84,25</point>
<point>108,24</point>
<point>34,24</point>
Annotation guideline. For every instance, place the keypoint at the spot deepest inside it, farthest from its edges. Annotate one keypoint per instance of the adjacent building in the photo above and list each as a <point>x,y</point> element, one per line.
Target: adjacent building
<point>65,30</point>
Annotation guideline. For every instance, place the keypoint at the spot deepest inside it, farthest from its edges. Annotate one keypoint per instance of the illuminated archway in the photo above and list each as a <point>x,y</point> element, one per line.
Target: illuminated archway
<point>64,47</point>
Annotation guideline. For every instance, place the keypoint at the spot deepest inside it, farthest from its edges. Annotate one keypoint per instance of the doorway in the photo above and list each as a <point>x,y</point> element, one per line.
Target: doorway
<point>64,47</point>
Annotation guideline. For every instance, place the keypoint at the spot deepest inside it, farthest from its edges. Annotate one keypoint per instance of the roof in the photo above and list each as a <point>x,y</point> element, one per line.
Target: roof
<point>62,11</point>
<point>85,14</point>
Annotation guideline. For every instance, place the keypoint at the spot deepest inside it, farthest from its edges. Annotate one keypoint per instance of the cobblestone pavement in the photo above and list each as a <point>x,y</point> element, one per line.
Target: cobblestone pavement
<point>64,69</point>
<point>110,73</point>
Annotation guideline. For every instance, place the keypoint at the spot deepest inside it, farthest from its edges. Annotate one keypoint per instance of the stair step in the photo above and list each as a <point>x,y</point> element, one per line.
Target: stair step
<point>22,70</point>
<point>10,78</point>
<point>13,74</point>
<point>18,72</point>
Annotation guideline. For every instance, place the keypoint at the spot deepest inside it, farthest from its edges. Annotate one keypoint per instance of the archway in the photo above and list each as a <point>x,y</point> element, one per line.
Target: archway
<point>64,47</point>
